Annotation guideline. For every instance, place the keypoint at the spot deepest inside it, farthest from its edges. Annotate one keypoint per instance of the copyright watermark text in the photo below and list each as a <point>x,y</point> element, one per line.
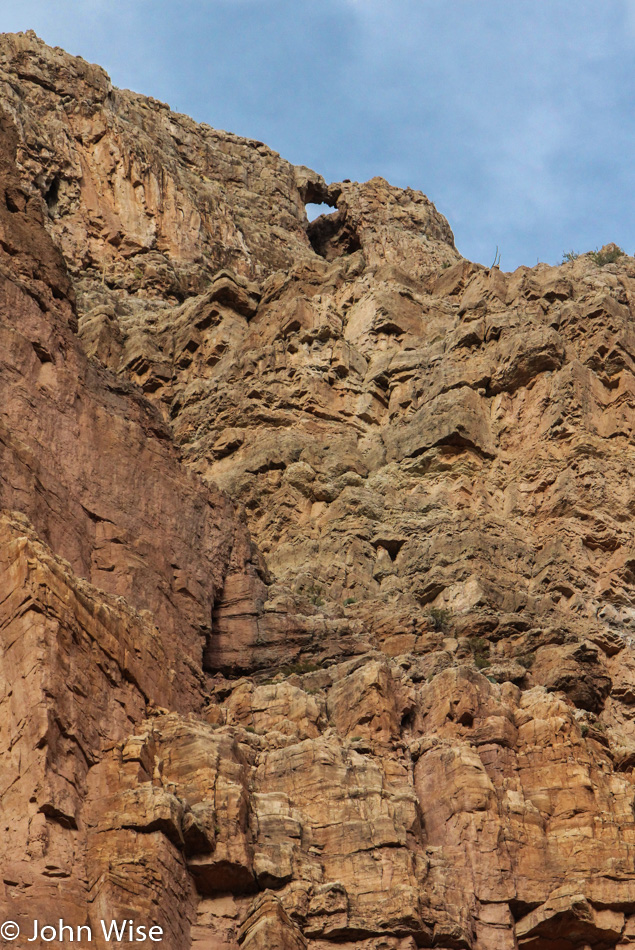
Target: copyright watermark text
<point>61,932</point>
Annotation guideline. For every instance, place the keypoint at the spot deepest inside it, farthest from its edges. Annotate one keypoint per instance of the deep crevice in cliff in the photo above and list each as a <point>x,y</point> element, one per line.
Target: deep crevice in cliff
<point>52,195</point>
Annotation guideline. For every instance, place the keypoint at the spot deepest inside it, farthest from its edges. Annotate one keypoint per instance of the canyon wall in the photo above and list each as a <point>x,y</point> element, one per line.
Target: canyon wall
<point>317,572</point>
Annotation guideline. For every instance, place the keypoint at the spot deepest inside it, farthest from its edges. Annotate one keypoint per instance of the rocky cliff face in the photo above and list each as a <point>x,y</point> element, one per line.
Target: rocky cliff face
<point>317,573</point>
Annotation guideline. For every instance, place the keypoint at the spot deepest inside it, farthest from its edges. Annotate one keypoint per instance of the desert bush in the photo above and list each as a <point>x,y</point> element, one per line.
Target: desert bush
<point>302,666</point>
<point>439,618</point>
<point>480,652</point>
<point>604,256</point>
<point>313,594</point>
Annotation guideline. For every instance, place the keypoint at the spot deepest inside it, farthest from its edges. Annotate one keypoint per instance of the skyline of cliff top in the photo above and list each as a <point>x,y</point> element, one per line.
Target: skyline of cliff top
<point>514,119</point>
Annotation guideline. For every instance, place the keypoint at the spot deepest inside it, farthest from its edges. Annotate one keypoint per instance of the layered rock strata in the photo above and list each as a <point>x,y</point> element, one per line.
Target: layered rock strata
<point>317,576</point>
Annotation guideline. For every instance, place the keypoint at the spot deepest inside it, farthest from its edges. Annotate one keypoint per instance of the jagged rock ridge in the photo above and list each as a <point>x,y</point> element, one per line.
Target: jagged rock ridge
<point>316,574</point>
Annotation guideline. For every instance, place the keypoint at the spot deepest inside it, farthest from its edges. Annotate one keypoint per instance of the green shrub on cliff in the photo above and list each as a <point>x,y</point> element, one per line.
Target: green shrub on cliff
<point>606,255</point>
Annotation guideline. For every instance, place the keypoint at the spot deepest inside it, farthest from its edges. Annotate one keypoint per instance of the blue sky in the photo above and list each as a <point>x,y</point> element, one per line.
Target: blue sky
<point>517,118</point>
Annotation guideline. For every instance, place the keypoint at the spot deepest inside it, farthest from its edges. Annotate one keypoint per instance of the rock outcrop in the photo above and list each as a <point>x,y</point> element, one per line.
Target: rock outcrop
<point>317,576</point>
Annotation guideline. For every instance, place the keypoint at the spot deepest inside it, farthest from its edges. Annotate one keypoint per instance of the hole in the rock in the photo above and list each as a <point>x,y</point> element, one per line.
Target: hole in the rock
<point>52,195</point>
<point>392,545</point>
<point>314,211</point>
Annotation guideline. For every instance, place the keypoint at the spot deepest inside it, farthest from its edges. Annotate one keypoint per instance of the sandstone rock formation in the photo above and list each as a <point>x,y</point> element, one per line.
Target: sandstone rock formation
<point>317,577</point>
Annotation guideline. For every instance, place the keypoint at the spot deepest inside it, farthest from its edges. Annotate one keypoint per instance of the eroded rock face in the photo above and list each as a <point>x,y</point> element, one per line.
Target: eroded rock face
<point>316,561</point>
